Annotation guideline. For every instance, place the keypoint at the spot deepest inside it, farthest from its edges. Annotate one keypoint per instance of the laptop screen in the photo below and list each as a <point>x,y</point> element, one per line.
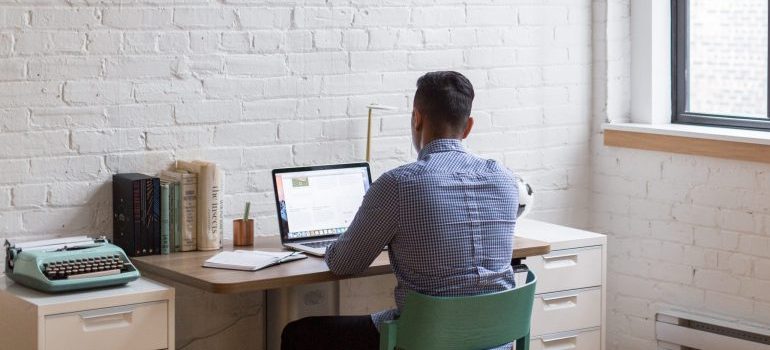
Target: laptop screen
<point>319,201</point>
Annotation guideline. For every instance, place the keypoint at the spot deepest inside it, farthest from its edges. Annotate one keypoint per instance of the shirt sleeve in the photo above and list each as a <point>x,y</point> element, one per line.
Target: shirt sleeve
<point>372,228</point>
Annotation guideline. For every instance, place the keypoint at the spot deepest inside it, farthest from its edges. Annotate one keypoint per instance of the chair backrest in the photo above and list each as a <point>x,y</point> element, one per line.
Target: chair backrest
<point>473,322</point>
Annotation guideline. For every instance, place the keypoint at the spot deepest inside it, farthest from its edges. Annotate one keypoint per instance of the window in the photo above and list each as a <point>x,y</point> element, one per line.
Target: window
<point>720,62</point>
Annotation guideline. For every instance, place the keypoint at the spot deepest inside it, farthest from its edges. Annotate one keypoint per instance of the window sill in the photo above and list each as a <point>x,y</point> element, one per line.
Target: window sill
<point>737,144</point>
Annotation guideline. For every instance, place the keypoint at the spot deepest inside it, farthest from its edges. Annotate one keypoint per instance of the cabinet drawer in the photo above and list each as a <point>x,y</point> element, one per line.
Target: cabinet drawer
<point>580,340</point>
<point>567,269</point>
<point>137,327</point>
<point>565,311</point>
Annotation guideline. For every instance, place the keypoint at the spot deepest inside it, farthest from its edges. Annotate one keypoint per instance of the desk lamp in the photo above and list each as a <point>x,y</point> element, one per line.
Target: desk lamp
<point>371,107</point>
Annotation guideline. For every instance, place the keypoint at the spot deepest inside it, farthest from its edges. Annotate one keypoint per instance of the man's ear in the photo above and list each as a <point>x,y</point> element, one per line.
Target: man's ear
<point>468,127</point>
<point>417,119</point>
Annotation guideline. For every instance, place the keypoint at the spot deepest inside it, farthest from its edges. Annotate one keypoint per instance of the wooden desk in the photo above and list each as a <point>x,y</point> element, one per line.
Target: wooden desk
<point>186,268</point>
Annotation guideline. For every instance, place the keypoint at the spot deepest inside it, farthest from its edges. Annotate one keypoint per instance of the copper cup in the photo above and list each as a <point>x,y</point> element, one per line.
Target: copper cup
<point>243,232</point>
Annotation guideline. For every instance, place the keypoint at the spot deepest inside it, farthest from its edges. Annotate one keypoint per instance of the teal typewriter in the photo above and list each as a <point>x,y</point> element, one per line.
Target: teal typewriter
<point>68,264</point>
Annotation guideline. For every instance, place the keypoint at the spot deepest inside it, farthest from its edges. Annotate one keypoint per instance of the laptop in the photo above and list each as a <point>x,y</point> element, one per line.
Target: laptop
<point>316,204</point>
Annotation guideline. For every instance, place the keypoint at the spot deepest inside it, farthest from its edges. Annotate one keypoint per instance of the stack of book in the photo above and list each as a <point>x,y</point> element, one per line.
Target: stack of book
<point>178,211</point>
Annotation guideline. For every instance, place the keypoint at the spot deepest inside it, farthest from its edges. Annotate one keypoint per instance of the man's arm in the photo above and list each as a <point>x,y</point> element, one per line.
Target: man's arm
<point>372,228</point>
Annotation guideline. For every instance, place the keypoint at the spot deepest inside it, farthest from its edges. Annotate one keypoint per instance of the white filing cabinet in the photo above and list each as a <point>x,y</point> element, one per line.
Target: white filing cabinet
<point>570,299</point>
<point>137,316</point>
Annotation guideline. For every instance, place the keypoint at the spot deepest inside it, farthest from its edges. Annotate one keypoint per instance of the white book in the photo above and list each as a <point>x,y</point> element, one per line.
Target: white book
<point>250,260</point>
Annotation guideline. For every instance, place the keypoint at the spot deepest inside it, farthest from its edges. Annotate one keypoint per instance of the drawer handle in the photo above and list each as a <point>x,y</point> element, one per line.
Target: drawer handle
<point>560,261</point>
<point>90,315</point>
<point>97,320</point>
<point>562,302</point>
<point>560,343</point>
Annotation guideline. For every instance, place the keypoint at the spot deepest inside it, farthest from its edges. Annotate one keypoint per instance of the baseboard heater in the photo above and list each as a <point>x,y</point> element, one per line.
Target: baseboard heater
<point>705,332</point>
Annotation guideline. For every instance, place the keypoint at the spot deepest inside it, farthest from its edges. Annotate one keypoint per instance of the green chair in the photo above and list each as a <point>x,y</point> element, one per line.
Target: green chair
<point>467,323</point>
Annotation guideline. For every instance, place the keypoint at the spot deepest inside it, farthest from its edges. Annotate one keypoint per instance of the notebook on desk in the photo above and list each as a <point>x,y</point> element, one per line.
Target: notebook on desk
<point>248,260</point>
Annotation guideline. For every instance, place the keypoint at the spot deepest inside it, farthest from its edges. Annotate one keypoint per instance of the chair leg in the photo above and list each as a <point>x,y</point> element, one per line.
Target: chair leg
<point>523,343</point>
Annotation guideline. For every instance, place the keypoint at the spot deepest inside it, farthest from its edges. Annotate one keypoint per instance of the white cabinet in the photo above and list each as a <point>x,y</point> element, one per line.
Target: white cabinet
<point>570,302</point>
<point>137,316</point>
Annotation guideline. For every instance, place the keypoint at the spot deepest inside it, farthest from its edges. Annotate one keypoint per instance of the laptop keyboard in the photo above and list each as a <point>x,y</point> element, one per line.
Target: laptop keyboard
<point>321,244</point>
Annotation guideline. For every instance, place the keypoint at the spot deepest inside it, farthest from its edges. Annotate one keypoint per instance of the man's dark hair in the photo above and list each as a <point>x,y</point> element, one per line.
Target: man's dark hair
<point>445,97</point>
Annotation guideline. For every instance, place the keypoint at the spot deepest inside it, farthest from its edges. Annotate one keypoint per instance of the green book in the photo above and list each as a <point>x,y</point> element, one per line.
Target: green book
<point>164,219</point>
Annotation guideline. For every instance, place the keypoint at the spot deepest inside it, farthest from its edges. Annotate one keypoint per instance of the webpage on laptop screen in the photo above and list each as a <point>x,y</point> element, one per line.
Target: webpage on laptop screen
<point>321,202</point>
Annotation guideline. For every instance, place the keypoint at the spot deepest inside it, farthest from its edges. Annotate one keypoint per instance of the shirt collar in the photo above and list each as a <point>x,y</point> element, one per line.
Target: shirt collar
<point>441,145</point>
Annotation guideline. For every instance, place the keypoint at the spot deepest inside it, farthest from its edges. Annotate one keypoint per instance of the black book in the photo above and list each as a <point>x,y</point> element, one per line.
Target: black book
<point>136,209</point>
<point>151,216</point>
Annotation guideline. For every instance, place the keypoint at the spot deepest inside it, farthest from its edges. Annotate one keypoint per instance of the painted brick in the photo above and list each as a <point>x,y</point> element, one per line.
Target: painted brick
<point>30,196</point>
<point>438,16</point>
<point>327,39</point>
<point>56,220</point>
<point>67,117</point>
<point>14,119</point>
<point>109,140</point>
<point>32,43</point>
<point>492,15</point>
<point>76,18</point>
<point>12,70</point>
<point>204,18</point>
<point>270,109</point>
<point>138,18</point>
<point>74,193</point>
<point>65,68</point>
<point>318,63</point>
<point>98,92</point>
<point>239,42</point>
<point>103,42</point>
<point>12,18</point>
<point>6,44</point>
<point>175,43</point>
<point>207,112</point>
<point>36,143</point>
<point>264,17</point>
<point>138,67</point>
<point>181,137</point>
<point>140,42</point>
<point>133,116</point>
<point>203,41</point>
<point>382,17</point>
<point>245,134</point>
<point>81,167</point>
<point>256,65</point>
<point>323,17</point>
<point>542,15</point>
<point>169,91</point>
<point>226,89</point>
<point>378,61</point>
<point>432,60</point>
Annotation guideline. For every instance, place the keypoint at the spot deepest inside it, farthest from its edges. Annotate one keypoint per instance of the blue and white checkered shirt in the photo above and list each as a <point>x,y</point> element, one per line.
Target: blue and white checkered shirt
<point>448,219</point>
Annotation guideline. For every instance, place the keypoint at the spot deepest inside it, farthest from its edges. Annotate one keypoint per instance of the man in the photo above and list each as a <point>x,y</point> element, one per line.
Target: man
<point>447,218</point>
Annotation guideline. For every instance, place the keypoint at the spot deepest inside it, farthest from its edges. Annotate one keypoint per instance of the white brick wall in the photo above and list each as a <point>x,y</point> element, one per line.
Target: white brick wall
<point>685,232</point>
<point>91,88</point>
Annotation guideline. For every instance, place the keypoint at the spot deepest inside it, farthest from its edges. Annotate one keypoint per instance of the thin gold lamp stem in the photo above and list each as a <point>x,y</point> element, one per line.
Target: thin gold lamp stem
<point>369,137</point>
<point>371,107</point>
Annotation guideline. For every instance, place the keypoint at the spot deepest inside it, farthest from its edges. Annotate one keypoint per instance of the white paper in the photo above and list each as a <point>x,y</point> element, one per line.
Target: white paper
<point>249,260</point>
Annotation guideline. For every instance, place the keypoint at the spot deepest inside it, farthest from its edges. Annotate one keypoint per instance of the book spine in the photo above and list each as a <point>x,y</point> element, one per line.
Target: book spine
<point>165,220</point>
<point>144,230</point>
<point>171,198</point>
<point>123,219</point>
<point>177,217</point>
<point>189,212</point>
<point>137,214</point>
<point>155,215</point>
<point>210,230</point>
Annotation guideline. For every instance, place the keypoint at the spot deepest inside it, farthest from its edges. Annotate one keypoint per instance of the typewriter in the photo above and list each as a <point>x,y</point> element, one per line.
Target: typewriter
<point>68,264</point>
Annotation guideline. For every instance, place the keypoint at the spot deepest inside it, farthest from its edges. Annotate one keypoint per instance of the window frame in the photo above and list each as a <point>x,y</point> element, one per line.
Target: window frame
<point>679,88</point>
